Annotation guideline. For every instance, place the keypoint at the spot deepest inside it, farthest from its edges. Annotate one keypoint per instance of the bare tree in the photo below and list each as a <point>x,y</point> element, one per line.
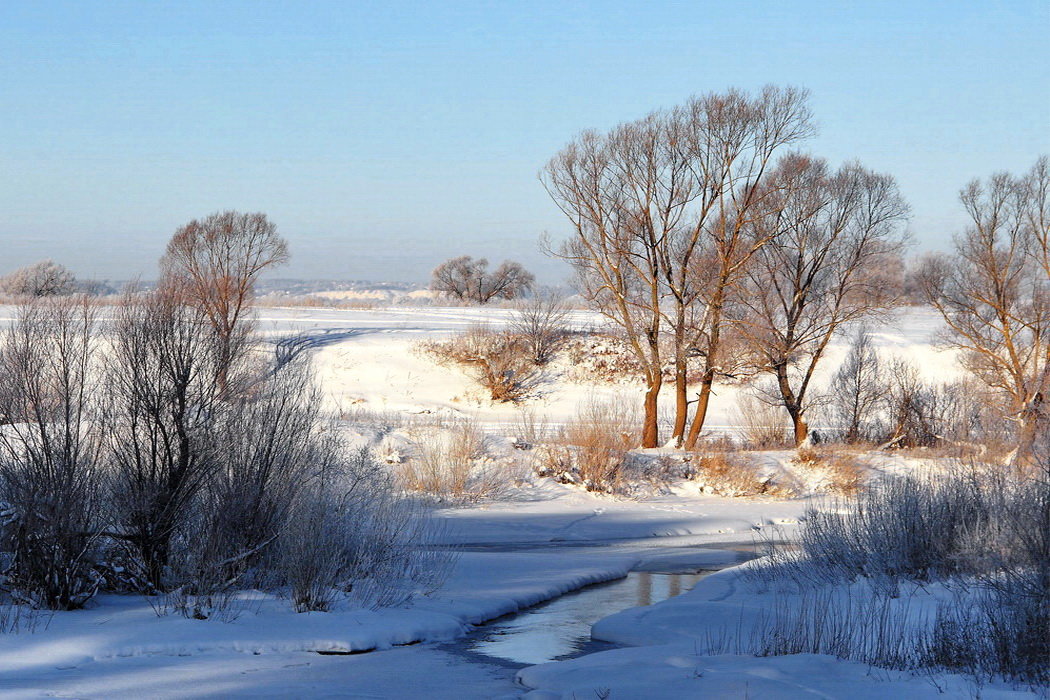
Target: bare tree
<point>214,262</point>
<point>824,270</point>
<point>541,323</point>
<point>859,389</point>
<point>731,140</point>
<point>659,208</point>
<point>467,279</point>
<point>607,186</point>
<point>51,462</point>
<point>994,293</point>
<point>163,404</point>
<point>43,279</point>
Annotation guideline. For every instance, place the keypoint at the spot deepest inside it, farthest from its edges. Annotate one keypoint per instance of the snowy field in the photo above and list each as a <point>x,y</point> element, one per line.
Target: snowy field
<point>370,358</point>
<point>538,541</point>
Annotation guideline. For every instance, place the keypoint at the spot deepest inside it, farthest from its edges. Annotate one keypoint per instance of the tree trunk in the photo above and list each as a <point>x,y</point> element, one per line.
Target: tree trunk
<point>801,429</point>
<point>681,398</point>
<point>681,388</point>
<point>792,403</point>
<point>702,401</point>
<point>651,426</point>
<point>1031,424</point>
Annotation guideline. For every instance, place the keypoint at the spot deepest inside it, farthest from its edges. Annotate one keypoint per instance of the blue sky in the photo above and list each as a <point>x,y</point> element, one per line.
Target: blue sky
<point>384,137</point>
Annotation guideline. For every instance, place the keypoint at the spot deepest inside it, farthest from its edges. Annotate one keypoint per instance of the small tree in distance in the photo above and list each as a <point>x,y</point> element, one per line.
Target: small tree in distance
<point>467,279</point>
<point>42,279</point>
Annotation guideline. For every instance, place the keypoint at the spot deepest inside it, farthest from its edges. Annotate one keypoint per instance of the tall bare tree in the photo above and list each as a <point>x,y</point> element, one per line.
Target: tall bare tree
<point>609,188</point>
<point>994,293</point>
<point>659,208</point>
<point>826,268</point>
<point>214,262</point>
<point>731,140</point>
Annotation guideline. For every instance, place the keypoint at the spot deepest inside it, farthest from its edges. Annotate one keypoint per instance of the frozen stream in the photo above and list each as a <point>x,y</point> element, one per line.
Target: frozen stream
<point>561,628</point>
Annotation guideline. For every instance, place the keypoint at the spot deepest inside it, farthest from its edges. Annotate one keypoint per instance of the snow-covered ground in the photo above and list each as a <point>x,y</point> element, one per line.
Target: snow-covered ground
<point>536,542</point>
<point>672,650</point>
<point>370,359</point>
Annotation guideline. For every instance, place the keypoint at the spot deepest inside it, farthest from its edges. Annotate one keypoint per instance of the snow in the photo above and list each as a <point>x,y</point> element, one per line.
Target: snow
<point>667,646</point>
<point>536,542</point>
<point>370,358</point>
<point>676,671</point>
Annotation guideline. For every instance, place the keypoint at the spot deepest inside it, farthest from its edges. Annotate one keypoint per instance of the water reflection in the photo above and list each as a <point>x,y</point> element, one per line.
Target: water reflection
<point>562,627</point>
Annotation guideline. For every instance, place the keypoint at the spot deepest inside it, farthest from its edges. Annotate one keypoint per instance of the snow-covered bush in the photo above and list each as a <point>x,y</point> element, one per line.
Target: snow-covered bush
<point>350,534</point>
<point>453,463</point>
<point>978,535</point>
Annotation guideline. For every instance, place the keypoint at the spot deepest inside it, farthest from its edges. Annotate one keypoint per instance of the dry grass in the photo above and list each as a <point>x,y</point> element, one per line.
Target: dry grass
<point>762,425</point>
<point>499,361</point>
<point>734,474</point>
<point>452,464</point>
<point>837,471</point>
<point>593,447</point>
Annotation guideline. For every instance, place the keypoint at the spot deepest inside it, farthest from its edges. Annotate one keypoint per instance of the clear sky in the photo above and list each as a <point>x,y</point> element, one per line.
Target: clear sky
<point>383,137</point>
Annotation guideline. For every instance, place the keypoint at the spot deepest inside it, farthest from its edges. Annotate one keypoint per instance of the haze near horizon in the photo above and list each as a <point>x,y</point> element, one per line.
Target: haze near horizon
<point>383,139</point>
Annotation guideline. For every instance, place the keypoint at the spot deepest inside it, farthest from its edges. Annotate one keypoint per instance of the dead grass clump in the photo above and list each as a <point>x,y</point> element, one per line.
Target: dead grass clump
<point>451,464</point>
<point>734,474</point>
<point>499,361</point>
<point>831,470</point>
<point>592,449</point>
<point>762,424</point>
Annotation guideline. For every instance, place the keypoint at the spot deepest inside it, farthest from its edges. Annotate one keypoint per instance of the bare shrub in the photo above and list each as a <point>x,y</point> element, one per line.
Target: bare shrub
<point>267,443</point>
<point>971,521</point>
<point>350,536</point>
<point>761,423</point>
<point>163,404</point>
<point>876,629</point>
<point>499,361</point>
<point>600,357</point>
<point>593,447</point>
<point>452,463</point>
<point>831,470</point>
<point>533,430</point>
<point>16,618</point>
<point>859,389</point>
<point>51,462</point>
<point>982,534</point>
<point>1002,631</point>
<point>540,322</point>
